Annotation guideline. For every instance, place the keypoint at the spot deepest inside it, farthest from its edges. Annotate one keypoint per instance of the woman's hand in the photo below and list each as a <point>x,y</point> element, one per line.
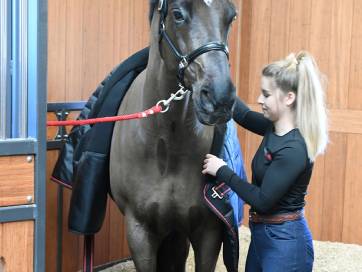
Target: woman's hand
<point>212,164</point>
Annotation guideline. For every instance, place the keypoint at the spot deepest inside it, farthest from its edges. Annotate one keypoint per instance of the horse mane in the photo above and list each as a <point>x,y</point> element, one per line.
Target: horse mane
<point>153,5</point>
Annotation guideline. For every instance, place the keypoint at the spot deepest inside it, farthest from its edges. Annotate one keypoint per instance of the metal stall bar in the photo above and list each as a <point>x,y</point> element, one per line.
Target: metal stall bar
<point>38,11</point>
<point>5,65</point>
<point>20,68</point>
<point>17,213</point>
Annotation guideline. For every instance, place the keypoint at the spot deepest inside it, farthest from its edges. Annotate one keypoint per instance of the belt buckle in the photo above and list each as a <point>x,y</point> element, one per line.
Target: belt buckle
<point>215,194</point>
<point>252,217</point>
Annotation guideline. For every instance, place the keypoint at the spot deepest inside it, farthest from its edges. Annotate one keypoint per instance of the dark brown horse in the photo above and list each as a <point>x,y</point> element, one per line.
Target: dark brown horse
<point>156,163</point>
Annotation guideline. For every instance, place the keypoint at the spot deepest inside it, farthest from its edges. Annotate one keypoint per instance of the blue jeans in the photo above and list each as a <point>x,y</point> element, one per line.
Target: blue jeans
<point>282,247</point>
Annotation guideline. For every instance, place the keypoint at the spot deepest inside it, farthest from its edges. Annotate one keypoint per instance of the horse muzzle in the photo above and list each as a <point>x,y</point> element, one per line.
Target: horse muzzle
<point>213,118</point>
<point>213,94</point>
<point>211,113</point>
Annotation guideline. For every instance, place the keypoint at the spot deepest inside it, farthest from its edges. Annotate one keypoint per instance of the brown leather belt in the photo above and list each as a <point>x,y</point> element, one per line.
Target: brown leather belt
<point>275,218</point>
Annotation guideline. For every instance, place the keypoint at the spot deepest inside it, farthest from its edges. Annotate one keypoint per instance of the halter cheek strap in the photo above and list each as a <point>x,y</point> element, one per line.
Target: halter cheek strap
<point>184,60</point>
<point>162,6</point>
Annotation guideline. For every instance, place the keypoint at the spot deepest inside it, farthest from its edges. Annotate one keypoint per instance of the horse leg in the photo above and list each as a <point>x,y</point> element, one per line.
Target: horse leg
<point>206,244</point>
<point>173,253</point>
<point>142,243</point>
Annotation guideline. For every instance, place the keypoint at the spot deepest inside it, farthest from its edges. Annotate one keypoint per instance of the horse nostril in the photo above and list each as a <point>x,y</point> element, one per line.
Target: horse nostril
<point>204,95</point>
<point>206,100</point>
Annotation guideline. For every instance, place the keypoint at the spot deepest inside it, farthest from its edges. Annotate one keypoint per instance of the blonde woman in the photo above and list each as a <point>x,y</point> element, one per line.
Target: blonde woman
<point>294,127</point>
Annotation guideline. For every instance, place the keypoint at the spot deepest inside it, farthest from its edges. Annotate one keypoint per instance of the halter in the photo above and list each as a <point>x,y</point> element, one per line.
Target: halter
<point>184,60</point>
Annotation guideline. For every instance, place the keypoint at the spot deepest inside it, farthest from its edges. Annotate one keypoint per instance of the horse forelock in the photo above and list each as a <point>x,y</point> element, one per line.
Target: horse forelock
<point>154,4</point>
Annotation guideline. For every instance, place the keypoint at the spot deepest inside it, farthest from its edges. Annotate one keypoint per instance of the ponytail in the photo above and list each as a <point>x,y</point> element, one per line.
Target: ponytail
<point>300,75</point>
<point>311,118</point>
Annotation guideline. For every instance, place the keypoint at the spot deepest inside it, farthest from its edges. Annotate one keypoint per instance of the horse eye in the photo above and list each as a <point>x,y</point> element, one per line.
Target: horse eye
<point>177,14</point>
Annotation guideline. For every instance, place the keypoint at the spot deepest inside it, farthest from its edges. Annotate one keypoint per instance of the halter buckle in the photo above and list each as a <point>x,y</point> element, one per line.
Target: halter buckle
<point>160,4</point>
<point>183,63</point>
<point>162,27</point>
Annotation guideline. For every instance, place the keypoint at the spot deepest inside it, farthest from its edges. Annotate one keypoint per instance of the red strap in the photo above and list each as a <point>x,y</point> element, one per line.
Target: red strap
<point>137,115</point>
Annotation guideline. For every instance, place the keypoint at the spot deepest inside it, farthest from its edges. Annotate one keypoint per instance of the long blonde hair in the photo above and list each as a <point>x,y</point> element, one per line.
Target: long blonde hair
<point>300,74</point>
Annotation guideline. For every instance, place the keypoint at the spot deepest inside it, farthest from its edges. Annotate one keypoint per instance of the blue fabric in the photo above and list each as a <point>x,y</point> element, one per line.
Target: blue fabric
<point>280,247</point>
<point>231,154</point>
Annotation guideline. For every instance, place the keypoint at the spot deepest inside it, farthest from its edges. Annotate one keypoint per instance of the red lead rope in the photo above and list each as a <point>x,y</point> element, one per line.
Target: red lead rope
<point>137,115</point>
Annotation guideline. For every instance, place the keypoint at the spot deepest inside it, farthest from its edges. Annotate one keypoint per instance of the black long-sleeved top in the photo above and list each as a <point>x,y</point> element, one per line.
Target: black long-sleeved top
<point>281,169</point>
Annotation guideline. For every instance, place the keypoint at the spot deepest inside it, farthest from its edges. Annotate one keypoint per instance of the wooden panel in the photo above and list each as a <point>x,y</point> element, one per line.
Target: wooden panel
<point>352,221</point>
<point>243,82</point>
<point>51,214</point>
<point>260,38</point>
<point>139,34</point>
<point>279,29</point>
<point>340,54</point>
<point>121,29</point>
<point>106,60</point>
<point>319,40</point>
<point>347,121</point>
<point>299,25</point>
<point>74,49</point>
<point>343,121</point>
<point>16,246</point>
<point>354,93</point>
<point>72,244</point>
<point>16,180</point>
<point>57,33</point>
<point>101,241</point>
<point>90,50</point>
<point>314,199</point>
<point>94,36</point>
<point>234,44</point>
<point>333,187</point>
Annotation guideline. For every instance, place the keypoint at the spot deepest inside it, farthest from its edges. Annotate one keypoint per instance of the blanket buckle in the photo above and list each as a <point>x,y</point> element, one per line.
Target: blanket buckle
<point>216,194</point>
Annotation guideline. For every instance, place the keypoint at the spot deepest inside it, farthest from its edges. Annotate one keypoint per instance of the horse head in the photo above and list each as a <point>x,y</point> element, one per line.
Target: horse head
<point>192,40</point>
